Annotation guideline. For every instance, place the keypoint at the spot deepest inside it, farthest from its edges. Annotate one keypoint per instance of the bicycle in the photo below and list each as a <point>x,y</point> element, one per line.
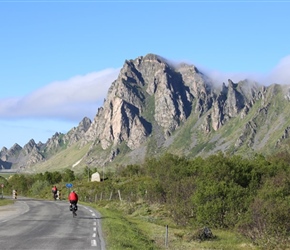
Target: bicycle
<point>74,208</point>
<point>54,196</point>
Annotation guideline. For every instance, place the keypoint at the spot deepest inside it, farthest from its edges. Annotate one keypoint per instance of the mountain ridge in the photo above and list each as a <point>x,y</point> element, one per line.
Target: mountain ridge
<point>154,107</point>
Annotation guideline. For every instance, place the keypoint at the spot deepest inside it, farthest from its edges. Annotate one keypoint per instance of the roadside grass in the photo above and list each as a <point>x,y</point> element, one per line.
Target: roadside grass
<point>121,232</point>
<point>4,202</point>
<point>6,175</point>
<point>135,230</point>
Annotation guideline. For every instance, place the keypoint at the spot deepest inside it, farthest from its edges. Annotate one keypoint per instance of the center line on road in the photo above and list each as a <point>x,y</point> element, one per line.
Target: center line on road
<point>94,235</point>
<point>95,229</point>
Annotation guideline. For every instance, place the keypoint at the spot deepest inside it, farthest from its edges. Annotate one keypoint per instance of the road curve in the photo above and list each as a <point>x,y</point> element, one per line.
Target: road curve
<point>49,225</point>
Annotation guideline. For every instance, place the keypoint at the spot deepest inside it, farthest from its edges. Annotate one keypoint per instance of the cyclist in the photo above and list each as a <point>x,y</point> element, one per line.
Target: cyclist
<point>54,191</point>
<point>73,199</point>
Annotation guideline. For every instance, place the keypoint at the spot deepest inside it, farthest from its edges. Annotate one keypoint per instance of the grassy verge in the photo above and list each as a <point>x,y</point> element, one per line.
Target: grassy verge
<point>127,227</point>
<point>6,175</point>
<point>121,232</point>
<point>4,202</point>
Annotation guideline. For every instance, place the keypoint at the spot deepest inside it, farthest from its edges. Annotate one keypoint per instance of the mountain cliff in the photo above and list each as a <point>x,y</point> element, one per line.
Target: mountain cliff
<point>154,107</point>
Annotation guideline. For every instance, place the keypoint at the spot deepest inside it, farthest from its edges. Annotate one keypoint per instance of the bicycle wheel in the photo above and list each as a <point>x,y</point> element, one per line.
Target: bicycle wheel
<point>74,211</point>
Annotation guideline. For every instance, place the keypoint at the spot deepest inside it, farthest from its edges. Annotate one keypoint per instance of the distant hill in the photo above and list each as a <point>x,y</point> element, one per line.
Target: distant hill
<point>154,107</point>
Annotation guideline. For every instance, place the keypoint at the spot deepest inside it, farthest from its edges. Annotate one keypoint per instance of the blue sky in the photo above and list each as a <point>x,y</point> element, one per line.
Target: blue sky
<point>58,58</point>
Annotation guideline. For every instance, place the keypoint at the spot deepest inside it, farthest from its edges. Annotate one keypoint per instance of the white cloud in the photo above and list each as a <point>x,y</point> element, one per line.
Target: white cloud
<point>281,73</point>
<point>219,77</point>
<point>71,99</point>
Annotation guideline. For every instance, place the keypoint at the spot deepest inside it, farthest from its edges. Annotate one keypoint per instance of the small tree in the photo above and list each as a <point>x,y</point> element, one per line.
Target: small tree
<point>68,175</point>
<point>87,173</point>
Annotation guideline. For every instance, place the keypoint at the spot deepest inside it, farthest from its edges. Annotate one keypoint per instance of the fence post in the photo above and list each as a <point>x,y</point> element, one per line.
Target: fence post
<point>166,236</point>
<point>119,195</point>
<point>14,194</point>
<point>111,195</point>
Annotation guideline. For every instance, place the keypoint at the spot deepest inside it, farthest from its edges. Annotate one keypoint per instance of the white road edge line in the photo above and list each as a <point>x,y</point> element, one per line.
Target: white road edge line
<point>93,243</point>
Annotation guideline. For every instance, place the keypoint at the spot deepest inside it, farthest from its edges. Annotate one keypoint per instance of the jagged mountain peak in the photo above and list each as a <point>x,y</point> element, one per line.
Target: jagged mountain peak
<point>150,57</point>
<point>4,149</point>
<point>231,84</point>
<point>142,82</point>
<point>29,146</point>
<point>15,147</point>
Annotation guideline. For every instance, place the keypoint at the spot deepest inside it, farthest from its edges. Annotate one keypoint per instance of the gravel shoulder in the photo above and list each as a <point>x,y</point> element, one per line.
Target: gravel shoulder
<point>11,211</point>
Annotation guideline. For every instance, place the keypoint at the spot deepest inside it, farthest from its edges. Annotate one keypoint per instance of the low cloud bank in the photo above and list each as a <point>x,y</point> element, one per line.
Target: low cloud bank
<point>280,75</point>
<point>71,99</point>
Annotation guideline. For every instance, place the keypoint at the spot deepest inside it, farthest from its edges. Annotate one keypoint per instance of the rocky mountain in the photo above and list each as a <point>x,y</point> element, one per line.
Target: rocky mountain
<point>155,107</point>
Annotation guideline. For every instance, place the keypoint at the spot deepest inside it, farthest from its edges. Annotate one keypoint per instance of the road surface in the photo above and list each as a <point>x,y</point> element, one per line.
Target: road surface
<point>49,225</point>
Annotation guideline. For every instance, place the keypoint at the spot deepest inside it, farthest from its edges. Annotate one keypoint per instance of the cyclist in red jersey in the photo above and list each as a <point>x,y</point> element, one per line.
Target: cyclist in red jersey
<point>73,199</point>
<point>54,192</point>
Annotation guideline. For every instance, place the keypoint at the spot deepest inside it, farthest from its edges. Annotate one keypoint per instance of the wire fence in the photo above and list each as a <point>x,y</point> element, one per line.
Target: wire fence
<point>112,196</point>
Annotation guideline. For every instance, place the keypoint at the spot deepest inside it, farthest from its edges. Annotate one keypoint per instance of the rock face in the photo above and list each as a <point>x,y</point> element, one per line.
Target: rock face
<point>32,153</point>
<point>150,85</point>
<point>145,82</point>
<point>153,104</point>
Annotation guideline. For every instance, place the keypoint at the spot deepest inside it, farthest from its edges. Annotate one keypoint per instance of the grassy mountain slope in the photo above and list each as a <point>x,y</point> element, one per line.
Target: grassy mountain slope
<point>68,158</point>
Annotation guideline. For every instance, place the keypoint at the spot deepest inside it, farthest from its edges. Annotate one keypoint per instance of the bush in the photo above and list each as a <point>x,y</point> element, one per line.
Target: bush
<point>39,188</point>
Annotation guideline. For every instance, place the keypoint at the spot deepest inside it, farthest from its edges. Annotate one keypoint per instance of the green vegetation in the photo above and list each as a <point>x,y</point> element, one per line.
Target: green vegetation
<point>142,230</point>
<point>4,176</point>
<point>181,141</point>
<point>244,201</point>
<point>4,202</point>
<point>123,232</point>
<point>149,111</point>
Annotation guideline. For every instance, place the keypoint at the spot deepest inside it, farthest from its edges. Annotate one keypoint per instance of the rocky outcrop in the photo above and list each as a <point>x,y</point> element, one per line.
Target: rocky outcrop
<point>12,153</point>
<point>61,141</point>
<point>124,116</point>
<point>4,154</point>
<point>200,87</point>
<point>77,133</point>
<point>32,153</point>
<point>27,149</point>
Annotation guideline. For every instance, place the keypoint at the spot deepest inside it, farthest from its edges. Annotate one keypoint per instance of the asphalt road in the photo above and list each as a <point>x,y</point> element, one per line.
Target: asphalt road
<point>49,225</point>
